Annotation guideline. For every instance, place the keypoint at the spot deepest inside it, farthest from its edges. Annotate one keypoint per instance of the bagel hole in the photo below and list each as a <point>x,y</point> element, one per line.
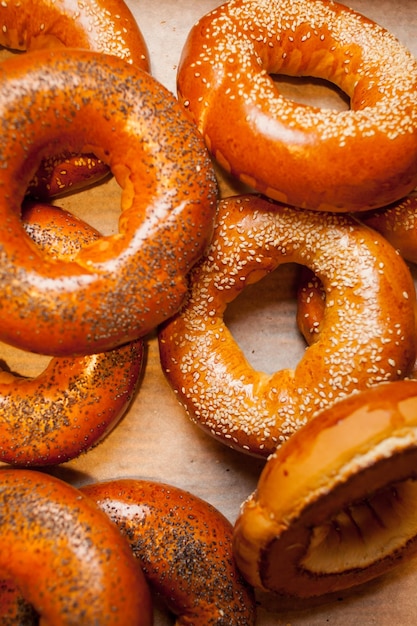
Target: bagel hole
<point>311,91</point>
<point>88,205</point>
<point>262,321</point>
<point>98,205</point>
<point>21,363</point>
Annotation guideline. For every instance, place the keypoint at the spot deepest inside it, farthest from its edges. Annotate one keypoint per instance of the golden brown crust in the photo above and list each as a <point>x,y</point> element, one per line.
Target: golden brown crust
<point>68,408</point>
<point>368,335</point>
<point>318,159</point>
<point>341,493</point>
<point>75,401</point>
<point>106,26</point>
<point>69,561</point>
<point>120,287</point>
<point>184,548</point>
<point>58,233</point>
<point>398,223</point>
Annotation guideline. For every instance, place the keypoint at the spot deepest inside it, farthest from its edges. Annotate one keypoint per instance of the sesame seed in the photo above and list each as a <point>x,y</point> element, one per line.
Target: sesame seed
<point>354,348</point>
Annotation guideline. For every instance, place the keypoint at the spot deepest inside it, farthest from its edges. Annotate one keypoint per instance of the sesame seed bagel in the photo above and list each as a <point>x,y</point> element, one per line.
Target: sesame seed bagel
<point>75,402</point>
<point>119,287</point>
<point>106,26</point>
<point>184,546</point>
<point>368,335</point>
<point>306,156</point>
<point>68,559</point>
<point>335,506</point>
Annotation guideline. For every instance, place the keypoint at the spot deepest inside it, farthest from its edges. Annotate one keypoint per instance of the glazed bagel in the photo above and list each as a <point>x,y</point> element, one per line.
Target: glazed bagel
<point>106,26</point>
<point>75,401</point>
<point>367,337</point>
<point>119,287</point>
<point>69,561</point>
<point>335,505</point>
<point>184,547</point>
<point>309,157</point>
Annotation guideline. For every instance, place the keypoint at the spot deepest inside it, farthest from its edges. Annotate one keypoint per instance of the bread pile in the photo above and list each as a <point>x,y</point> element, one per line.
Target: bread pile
<point>332,192</point>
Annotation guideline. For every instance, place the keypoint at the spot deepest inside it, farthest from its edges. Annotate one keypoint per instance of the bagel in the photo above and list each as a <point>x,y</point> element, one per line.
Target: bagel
<point>335,505</point>
<point>184,546</point>
<point>120,287</point>
<point>368,335</point>
<point>102,25</point>
<point>75,402</point>
<point>66,557</point>
<point>302,155</point>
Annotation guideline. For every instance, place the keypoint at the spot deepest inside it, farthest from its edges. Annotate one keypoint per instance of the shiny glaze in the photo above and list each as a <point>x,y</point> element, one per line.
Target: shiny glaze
<point>106,26</point>
<point>340,492</point>
<point>75,401</point>
<point>398,223</point>
<point>305,156</point>
<point>122,286</point>
<point>69,561</point>
<point>184,547</point>
<point>368,335</point>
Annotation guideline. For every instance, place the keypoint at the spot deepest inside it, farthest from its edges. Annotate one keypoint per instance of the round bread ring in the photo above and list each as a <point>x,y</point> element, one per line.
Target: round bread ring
<point>368,336</point>
<point>120,287</point>
<point>287,150</point>
<point>184,546</point>
<point>76,401</point>
<point>101,25</point>
<point>341,493</point>
<point>66,557</point>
